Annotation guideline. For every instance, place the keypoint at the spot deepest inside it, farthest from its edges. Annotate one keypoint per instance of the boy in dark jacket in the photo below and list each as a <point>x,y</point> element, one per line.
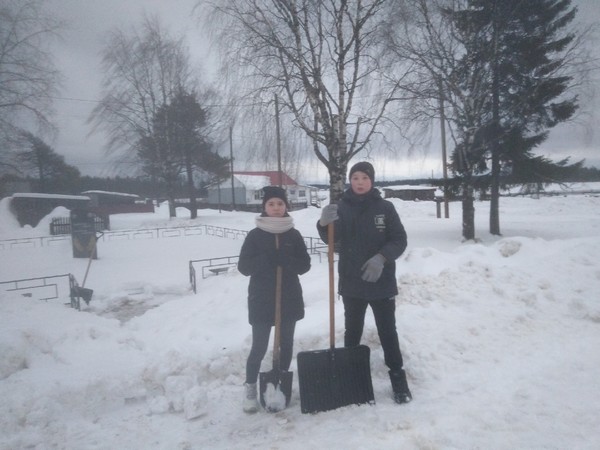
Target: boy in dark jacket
<point>371,237</point>
<point>259,257</point>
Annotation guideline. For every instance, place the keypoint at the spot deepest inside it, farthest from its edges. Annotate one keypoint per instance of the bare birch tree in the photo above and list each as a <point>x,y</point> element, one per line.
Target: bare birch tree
<point>143,72</point>
<point>439,53</point>
<point>322,57</point>
<point>28,76</point>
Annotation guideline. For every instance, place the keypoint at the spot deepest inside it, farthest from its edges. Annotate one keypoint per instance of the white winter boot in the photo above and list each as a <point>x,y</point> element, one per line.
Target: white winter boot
<point>250,398</point>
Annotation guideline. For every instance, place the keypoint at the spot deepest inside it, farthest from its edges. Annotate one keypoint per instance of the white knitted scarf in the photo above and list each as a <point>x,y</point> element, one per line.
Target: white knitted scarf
<point>275,225</point>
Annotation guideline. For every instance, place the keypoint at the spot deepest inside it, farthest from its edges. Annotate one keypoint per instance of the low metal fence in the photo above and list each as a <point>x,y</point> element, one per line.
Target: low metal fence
<point>33,242</point>
<point>47,288</point>
<point>143,233</point>
<point>208,266</point>
<point>216,266</point>
<point>62,225</point>
<point>312,243</point>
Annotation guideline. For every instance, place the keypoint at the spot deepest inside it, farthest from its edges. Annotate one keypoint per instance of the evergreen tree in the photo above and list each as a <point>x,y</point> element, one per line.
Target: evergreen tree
<point>179,145</point>
<point>524,47</point>
<point>48,168</point>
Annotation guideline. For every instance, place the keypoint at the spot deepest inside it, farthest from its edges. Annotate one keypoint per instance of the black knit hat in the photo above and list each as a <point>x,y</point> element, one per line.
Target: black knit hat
<point>272,192</point>
<point>364,167</point>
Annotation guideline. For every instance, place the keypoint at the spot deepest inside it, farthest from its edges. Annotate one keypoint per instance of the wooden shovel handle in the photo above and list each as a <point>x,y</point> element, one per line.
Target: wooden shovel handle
<point>277,338</point>
<point>91,257</point>
<point>330,238</point>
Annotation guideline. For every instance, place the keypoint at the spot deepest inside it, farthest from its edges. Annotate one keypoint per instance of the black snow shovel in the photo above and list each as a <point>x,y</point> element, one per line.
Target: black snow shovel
<point>78,292</point>
<point>276,385</point>
<point>335,377</point>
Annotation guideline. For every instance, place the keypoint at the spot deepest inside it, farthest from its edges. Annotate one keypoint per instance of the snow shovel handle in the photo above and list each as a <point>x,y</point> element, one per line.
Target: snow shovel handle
<point>277,337</point>
<point>330,238</point>
<point>91,257</point>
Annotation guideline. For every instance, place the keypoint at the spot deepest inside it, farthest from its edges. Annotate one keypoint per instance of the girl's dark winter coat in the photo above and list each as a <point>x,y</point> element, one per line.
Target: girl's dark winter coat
<point>258,259</point>
<point>367,225</point>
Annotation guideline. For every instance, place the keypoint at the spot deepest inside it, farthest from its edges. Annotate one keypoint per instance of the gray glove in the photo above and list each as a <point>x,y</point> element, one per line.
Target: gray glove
<point>329,214</point>
<point>371,270</point>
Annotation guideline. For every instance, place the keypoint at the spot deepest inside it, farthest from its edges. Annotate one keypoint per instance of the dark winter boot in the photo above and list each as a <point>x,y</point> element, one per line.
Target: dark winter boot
<point>400,386</point>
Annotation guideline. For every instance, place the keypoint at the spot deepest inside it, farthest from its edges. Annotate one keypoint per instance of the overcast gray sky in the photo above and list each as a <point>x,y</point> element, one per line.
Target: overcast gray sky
<point>78,58</point>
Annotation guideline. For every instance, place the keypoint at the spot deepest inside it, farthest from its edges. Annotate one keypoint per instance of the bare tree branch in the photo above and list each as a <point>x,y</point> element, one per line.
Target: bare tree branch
<point>323,57</point>
<point>28,77</point>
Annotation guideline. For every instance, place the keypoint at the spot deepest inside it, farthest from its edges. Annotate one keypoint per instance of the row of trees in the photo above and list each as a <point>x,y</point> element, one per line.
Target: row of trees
<point>151,106</point>
<point>497,74</point>
<point>505,71</point>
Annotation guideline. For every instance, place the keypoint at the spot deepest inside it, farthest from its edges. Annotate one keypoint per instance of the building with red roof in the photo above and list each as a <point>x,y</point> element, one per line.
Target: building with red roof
<point>247,189</point>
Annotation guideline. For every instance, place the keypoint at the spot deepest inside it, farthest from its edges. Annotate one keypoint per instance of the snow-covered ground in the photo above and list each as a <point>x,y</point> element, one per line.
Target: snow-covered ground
<point>500,339</point>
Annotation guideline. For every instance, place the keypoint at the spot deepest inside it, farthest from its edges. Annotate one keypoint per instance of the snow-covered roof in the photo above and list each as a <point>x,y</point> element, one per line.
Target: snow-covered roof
<point>254,182</point>
<point>120,194</point>
<point>273,175</point>
<point>50,196</point>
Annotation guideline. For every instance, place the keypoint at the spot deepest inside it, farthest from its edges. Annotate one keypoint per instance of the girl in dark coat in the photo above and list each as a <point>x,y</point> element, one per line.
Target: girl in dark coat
<point>371,237</point>
<point>259,259</point>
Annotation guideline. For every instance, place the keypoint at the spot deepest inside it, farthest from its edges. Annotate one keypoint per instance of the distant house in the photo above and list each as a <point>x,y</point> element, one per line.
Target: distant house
<point>247,190</point>
<point>410,193</point>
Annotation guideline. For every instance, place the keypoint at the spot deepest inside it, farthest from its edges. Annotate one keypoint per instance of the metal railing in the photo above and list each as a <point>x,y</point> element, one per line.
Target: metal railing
<point>45,288</point>
<point>62,225</point>
<point>32,242</point>
<point>314,245</point>
<point>215,266</point>
<point>142,233</point>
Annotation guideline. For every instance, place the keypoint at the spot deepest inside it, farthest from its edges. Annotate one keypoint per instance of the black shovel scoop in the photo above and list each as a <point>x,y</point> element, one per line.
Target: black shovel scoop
<point>81,292</point>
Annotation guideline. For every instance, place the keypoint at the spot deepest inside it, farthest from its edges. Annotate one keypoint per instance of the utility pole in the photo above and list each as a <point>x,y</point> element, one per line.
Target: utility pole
<point>231,167</point>
<point>444,165</point>
<point>219,186</point>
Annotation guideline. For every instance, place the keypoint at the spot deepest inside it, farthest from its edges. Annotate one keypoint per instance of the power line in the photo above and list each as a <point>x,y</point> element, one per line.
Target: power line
<point>214,105</point>
<point>73,99</point>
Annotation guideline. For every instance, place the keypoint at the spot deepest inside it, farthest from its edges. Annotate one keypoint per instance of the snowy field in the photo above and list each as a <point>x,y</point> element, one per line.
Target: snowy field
<point>500,339</point>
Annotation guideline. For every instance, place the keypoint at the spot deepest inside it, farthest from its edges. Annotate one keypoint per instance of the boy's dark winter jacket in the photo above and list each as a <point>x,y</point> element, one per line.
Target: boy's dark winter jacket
<point>258,259</point>
<point>367,225</point>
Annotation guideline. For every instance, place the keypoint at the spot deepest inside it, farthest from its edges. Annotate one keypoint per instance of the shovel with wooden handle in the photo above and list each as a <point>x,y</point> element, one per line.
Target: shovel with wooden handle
<point>334,377</point>
<point>276,385</point>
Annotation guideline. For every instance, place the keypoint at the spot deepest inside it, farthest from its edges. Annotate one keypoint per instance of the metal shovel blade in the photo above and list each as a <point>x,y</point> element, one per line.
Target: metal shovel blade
<point>275,389</point>
<point>81,292</point>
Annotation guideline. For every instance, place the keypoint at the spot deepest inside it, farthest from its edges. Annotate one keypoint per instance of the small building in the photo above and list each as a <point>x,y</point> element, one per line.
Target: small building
<point>31,207</point>
<point>247,190</point>
<point>410,193</point>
